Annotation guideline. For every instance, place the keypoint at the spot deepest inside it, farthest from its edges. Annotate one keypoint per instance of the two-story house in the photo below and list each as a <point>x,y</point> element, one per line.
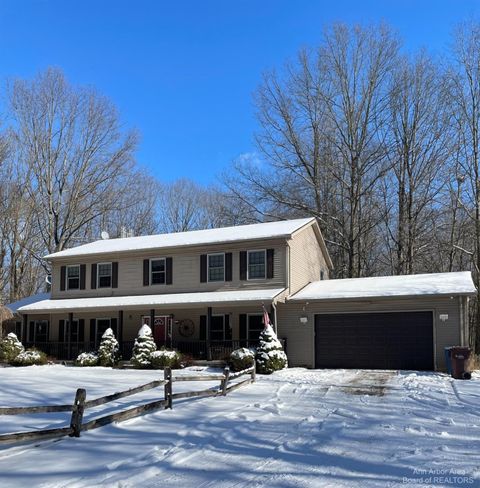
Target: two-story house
<point>203,291</point>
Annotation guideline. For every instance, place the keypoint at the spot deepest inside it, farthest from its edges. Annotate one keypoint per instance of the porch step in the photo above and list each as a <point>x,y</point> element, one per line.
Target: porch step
<point>213,364</point>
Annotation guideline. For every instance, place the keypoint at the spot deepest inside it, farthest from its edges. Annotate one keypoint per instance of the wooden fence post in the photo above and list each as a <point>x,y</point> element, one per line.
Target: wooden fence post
<point>167,374</point>
<point>77,412</point>
<point>224,382</point>
<point>254,371</point>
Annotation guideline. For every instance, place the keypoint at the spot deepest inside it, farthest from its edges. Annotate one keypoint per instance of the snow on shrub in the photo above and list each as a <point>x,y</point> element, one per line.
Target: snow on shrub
<point>10,348</point>
<point>165,358</point>
<point>270,355</point>
<point>241,359</point>
<point>109,350</point>
<point>29,358</point>
<point>87,359</point>
<point>143,348</point>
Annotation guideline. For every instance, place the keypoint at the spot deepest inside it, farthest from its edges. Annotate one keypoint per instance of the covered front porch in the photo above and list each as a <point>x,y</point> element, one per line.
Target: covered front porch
<point>200,326</point>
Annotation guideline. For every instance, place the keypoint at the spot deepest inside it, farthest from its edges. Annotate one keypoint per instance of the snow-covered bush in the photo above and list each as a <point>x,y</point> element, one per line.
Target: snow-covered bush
<point>241,359</point>
<point>143,348</point>
<point>29,358</point>
<point>109,350</point>
<point>165,358</point>
<point>87,359</point>
<point>270,355</point>
<point>10,348</point>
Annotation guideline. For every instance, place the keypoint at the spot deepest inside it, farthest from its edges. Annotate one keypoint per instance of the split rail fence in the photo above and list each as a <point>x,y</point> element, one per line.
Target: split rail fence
<point>80,404</point>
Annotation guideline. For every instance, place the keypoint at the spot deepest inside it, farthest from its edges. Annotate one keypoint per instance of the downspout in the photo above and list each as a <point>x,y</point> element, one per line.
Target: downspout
<point>275,317</point>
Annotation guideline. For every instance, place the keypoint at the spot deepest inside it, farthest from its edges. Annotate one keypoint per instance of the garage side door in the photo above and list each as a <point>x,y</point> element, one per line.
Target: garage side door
<point>391,340</point>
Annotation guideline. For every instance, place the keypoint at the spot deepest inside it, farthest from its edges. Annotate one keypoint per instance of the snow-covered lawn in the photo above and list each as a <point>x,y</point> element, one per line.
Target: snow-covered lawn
<point>294,428</point>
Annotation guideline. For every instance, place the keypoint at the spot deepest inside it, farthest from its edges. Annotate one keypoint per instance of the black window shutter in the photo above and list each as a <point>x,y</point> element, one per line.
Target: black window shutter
<point>203,328</point>
<point>270,254</point>
<point>228,329</point>
<point>228,266</point>
<point>92,330</point>
<point>146,272</point>
<point>93,280</point>
<point>61,331</point>
<point>169,271</point>
<point>31,332</point>
<point>113,326</point>
<point>203,268</point>
<point>120,327</point>
<point>83,271</point>
<point>81,330</point>
<point>63,277</point>
<point>242,334</point>
<point>243,265</point>
<point>114,275</point>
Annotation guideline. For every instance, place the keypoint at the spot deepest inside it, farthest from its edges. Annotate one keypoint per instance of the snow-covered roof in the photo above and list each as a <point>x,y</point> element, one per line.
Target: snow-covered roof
<point>14,306</point>
<point>459,283</point>
<point>184,300</point>
<point>266,230</point>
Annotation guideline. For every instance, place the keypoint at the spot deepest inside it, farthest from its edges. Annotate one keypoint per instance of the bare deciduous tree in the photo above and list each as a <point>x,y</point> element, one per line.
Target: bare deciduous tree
<point>77,155</point>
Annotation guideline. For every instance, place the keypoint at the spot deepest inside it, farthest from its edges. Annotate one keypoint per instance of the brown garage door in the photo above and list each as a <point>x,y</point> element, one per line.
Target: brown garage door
<point>396,340</point>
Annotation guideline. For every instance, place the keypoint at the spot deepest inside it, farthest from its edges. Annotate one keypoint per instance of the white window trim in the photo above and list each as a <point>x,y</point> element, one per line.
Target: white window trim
<point>223,320</point>
<point>67,284</point>
<point>248,321</point>
<point>150,271</point>
<point>248,266</point>
<point>98,274</point>
<point>208,267</point>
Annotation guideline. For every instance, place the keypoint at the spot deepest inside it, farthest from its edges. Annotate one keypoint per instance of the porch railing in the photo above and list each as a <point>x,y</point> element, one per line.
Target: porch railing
<point>208,350</point>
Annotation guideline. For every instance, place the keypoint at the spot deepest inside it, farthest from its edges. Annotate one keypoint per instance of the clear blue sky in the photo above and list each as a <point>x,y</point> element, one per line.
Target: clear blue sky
<point>183,72</point>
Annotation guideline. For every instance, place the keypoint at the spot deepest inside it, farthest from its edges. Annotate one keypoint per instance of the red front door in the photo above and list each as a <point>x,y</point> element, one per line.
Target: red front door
<point>159,328</point>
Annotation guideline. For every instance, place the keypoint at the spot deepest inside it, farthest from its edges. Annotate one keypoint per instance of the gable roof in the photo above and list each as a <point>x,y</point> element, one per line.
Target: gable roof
<point>267,230</point>
<point>458,283</point>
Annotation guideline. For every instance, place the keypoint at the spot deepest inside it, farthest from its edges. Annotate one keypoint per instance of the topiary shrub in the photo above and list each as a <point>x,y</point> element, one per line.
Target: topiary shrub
<point>87,359</point>
<point>241,359</point>
<point>270,355</point>
<point>143,348</point>
<point>165,358</point>
<point>10,348</point>
<point>109,350</point>
<point>30,357</point>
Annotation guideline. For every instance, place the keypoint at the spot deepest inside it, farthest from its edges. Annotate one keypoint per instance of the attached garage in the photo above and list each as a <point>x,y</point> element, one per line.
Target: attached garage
<point>392,340</point>
<point>394,322</point>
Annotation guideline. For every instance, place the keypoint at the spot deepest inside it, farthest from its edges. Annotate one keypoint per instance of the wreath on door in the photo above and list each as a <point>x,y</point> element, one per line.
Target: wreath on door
<point>186,327</point>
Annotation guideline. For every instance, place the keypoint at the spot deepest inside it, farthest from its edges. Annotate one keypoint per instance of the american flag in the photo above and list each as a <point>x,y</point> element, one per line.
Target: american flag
<point>266,317</point>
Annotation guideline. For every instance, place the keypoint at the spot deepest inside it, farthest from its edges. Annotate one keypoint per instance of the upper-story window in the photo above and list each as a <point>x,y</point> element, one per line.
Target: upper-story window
<point>104,275</point>
<point>216,267</point>
<point>157,271</point>
<point>256,264</point>
<point>73,277</point>
<point>322,274</point>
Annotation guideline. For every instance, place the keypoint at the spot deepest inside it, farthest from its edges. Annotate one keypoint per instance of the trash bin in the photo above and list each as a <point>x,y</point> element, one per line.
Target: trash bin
<point>459,356</point>
<point>448,359</point>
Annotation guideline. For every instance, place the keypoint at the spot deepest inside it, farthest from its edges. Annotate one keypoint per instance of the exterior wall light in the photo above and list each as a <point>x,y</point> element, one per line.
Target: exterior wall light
<point>443,317</point>
<point>304,319</point>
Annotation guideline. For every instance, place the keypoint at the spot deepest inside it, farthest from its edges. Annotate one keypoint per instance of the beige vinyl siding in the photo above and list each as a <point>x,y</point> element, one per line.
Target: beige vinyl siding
<point>186,271</point>
<point>306,259</point>
<point>301,338</point>
<point>133,320</point>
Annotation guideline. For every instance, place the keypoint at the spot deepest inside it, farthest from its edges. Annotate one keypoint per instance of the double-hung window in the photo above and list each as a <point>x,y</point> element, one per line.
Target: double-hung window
<point>216,267</point>
<point>73,277</point>
<point>104,275</point>
<point>157,271</point>
<point>256,265</point>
